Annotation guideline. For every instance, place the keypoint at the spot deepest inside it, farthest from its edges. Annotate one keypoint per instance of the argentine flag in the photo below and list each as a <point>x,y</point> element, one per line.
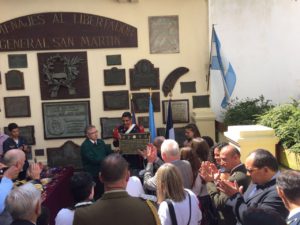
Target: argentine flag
<point>219,62</point>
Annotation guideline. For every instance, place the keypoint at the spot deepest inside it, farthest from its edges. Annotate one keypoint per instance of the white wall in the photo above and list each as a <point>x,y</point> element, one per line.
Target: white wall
<point>261,40</point>
<point>193,35</point>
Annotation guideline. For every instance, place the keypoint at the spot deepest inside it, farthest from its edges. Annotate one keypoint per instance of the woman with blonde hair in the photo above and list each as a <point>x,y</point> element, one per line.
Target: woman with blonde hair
<point>176,204</point>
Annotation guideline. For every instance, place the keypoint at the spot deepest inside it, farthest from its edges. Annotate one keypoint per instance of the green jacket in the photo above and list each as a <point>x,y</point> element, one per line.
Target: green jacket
<point>92,155</point>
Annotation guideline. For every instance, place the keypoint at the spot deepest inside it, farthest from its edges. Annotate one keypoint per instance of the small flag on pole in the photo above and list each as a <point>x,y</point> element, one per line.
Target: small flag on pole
<point>152,128</point>
<point>132,111</point>
<point>170,134</point>
<point>219,62</point>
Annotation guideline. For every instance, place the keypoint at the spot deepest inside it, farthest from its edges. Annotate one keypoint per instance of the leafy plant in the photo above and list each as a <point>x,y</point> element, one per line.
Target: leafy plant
<point>285,120</point>
<point>246,111</point>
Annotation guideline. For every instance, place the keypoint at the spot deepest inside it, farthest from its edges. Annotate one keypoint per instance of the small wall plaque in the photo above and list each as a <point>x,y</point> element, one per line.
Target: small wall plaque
<point>180,110</point>
<point>39,152</point>
<point>108,125</point>
<point>17,61</point>
<point>14,80</point>
<point>115,100</point>
<point>141,102</point>
<point>113,60</point>
<point>114,76</point>
<point>201,101</point>
<point>188,87</point>
<point>17,106</point>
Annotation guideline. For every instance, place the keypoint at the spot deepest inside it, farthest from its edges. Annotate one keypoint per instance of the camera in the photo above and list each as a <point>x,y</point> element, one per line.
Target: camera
<point>2,170</point>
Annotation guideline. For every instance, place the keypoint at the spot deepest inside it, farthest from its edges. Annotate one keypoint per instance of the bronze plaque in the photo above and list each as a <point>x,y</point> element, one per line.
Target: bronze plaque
<point>25,131</point>
<point>188,87</point>
<point>141,102</point>
<point>17,106</point>
<point>144,75</point>
<point>201,101</point>
<point>65,30</point>
<point>113,60</point>
<point>130,143</point>
<point>108,125</point>
<point>17,61</point>
<point>63,75</point>
<point>114,76</point>
<point>65,119</point>
<point>180,110</point>
<point>14,80</point>
<point>115,100</point>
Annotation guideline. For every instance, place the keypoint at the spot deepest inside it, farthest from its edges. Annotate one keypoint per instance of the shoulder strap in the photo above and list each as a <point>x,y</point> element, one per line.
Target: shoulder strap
<point>190,204</point>
<point>154,212</point>
<point>172,212</point>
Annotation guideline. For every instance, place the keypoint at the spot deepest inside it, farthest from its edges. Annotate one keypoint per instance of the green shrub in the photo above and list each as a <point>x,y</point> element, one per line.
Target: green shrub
<point>246,111</point>
<point>285,120</point>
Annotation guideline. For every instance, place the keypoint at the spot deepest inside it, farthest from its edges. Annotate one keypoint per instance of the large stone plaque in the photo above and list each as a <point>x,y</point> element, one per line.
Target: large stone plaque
<point>17,106</point>
<point>144,75</point>
<point>141,102</point>
<point>66,155</point>
<point>114,76</point>
<point>27,132</point>
<point>17,61</point>
<point>14,80</point>
<point>108,125</point>
<point>63,75</point>
<point>180,110</point>
<point>65,119</point>
<point>115,100</point>
<point>130,143</point>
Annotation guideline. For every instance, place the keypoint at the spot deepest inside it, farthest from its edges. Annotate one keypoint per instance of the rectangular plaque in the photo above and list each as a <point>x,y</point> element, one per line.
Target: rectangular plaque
<point>17,61</point>
<point>113,60</point>
<point>130,143</point>
<point>25,131</point>
<point>65,119</point>
<point>164,34</point>
<point>180,110</point>
<point>188,87</point>
<point>115,100</point>
<point>141,101</point>
<point>39,152</point>
<point>144,121</point>
<point>17,106</point>
<point>114,76</point>
<point>201,101</point>
<point>108,125</point>
<point>14,80</point>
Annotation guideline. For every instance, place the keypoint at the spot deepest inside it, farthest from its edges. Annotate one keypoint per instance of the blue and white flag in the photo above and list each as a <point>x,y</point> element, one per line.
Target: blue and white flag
<point>152,128</point>
<point>170,134</point>
<point>219,62</point>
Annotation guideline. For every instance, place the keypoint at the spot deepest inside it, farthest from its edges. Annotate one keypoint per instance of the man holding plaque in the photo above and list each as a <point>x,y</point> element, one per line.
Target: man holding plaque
<point>93,151</point>
<point>135,161</point>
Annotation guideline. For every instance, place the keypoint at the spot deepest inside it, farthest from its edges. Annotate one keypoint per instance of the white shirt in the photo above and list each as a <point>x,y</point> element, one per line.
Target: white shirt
<point>199,189</point>
<point>64,217</point>
<point>134,187</point>
<point>294,212</point>
<point>182,211</point>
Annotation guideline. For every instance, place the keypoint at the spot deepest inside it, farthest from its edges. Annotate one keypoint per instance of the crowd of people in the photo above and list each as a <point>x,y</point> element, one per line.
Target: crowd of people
<point>201,183</point>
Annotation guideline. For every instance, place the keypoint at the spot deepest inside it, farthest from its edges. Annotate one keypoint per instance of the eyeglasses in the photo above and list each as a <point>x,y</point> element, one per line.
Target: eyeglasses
<point>251,170</point>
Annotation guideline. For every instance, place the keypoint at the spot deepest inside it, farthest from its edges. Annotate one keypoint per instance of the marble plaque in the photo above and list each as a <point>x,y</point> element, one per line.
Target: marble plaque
<point>180,110</point>
<point>130,143</point>
<point>65,119</point>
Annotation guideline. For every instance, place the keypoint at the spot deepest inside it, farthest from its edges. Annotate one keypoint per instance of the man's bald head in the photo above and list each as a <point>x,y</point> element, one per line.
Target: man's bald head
<point>14,156</point>
<point>230,157</point>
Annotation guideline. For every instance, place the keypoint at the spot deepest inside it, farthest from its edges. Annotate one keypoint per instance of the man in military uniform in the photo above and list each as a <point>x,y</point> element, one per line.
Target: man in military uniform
<point>116,206</point>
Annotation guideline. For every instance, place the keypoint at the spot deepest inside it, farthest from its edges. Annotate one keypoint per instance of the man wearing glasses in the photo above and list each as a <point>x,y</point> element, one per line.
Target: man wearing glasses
<point>262,166</point>
<point>93,151</point>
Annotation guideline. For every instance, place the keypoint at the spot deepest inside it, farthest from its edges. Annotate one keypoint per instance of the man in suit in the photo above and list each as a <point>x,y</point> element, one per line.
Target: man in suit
<point>230,160</point>
<point>116,206</point>
<point>288,187</point>
<point>262,166</point>
<point>24,204</point>
<point>93,151</point>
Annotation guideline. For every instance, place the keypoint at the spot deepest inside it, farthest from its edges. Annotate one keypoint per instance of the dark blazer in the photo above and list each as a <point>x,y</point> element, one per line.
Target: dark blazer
<point>219,199</point>
<point>265,197</point>
<point>294,220</point>
<point>117,208</point>
<point>22,222</point>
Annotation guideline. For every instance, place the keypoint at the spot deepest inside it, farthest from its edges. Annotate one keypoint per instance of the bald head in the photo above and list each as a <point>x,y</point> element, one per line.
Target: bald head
<point>230,157</point>
<point>13,156</point>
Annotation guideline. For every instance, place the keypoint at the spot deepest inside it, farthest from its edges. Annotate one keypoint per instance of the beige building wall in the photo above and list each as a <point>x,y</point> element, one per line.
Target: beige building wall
<point>194,44</point>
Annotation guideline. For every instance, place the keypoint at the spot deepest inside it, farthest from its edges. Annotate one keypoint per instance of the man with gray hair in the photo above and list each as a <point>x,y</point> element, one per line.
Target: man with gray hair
<point>24,204</point>
<point>170,154</point>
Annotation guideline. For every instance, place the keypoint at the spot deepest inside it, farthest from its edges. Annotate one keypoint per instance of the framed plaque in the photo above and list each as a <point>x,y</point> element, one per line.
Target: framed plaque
<point>141,102</point>
<point>107,126</point>
<point>115,100</point>
<point>113,60</point>
<point>25,131</point>
<point>65,119</point>
<point>180,110</point>
<point>114,76</point>
<point>14,80</point>
<point>17,61</point>
<point>17,106</point>
<point>130,143</point>
<point>144,121</point>
<point>201,101</point>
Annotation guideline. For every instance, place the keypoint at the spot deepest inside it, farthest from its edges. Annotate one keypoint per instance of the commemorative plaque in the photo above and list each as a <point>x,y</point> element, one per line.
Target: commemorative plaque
<point>65,119</point>
<point>14,80</point>
<point>180,110</point>
<point>108,125</point>
<point>114,76</point>
<point>141,102</point>
<point>17,61</point>
<point>130,143</point>
<point>113,60</point>
<point>115,100</point>
<point>188,87</point>
<point>201,101</point>
<point>25,131</point>
<point>17,106</point>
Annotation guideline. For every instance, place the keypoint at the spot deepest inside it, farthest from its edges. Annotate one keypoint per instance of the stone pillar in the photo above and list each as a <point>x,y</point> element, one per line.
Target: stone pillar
<point>204,118</point>
<point>251,137</point>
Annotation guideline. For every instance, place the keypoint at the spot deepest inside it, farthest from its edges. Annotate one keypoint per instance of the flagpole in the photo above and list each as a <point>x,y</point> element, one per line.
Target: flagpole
<point>208,74</point>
